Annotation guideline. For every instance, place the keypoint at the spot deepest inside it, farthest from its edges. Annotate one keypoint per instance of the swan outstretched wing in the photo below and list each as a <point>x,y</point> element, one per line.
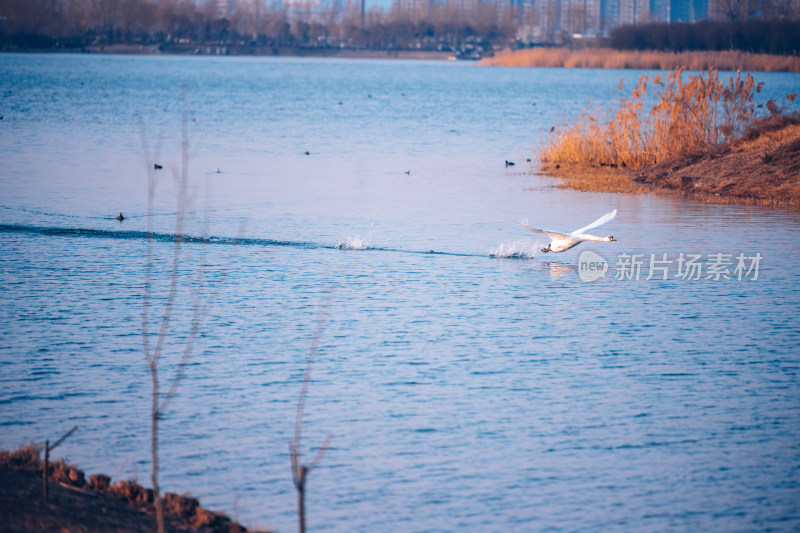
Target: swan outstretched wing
<point>541,232</point>
<point>608,217</point>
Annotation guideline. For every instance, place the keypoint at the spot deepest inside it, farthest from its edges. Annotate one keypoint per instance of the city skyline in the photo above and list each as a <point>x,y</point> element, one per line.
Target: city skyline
<point>536,21</point>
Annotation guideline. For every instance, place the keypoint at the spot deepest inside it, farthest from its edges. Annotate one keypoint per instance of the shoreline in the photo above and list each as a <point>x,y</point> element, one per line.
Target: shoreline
<point>244,51</point>
<point>539,57</point>
<point>94,505</point>
<point>763,170</point>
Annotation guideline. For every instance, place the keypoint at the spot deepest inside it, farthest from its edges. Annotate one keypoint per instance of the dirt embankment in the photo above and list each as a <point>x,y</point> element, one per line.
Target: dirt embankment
<point>75,504</point>
<point>761,169</point>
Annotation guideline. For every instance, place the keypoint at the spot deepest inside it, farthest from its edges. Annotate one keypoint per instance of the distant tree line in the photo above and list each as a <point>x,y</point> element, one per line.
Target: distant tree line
<point>757,36</point>
<point>255,24</point>
<point>77,23</point>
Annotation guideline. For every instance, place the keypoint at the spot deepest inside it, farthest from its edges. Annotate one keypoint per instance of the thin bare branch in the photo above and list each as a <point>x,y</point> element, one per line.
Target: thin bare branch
<point>64,437</point>
<point>294,460</point>
<point>322,449</point>
<point>322,321</point>
<point>299,470</point>
<point>174,275</point>
<point>148,278</point>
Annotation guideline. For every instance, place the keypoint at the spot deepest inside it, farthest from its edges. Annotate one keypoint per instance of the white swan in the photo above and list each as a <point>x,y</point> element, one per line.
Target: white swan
<point>560,242</point>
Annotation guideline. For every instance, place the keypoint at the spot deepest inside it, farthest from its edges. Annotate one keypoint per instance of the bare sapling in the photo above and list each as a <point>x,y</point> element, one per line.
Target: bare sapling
<point>300,471</point>
<point>153,342</point>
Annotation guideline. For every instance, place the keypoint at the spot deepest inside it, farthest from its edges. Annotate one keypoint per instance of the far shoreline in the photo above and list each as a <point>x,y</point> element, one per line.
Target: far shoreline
<point>536,57</point>
<point>244,51</point>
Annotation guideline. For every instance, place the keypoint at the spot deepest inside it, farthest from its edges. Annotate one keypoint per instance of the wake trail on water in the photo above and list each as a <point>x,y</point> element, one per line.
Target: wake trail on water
<point>159,237</point>
<point>509,249</point>
<point>62,215</point>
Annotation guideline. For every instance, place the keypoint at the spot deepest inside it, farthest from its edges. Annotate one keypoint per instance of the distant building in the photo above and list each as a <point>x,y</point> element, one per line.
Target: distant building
<point>416,9</point>
<point>466,10</point>
<point>221,8</point>
<point>537,21</point>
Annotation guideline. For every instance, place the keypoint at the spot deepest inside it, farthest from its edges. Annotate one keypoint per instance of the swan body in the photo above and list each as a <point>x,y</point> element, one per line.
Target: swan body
<point>560,242</point>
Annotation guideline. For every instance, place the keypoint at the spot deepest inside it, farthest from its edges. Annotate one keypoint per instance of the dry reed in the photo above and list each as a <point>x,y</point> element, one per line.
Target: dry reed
<point>26,457</point>
<point>672,117</point>
<point>643,60</point>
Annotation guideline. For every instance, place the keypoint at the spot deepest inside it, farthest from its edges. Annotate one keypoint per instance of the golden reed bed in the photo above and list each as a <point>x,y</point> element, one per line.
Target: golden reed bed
<point>676,116</point>
<point>697,135</point>
<point>616,59</point>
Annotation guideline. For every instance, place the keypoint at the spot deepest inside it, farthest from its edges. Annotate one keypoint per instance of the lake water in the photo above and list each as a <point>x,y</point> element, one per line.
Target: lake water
<point>484,386</point>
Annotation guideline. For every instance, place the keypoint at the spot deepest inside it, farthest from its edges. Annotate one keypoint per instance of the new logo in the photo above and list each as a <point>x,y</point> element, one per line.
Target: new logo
<point>591,266</point>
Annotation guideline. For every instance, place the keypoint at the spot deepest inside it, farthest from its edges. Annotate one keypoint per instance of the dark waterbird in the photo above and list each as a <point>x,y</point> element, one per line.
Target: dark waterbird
<point>120,217</point>
<point>509,163</point>
<point>157,166</point>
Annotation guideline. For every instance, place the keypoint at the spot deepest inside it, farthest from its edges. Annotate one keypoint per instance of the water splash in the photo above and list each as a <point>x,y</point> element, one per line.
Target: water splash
<point>521,249</point>
<point>354,242</point>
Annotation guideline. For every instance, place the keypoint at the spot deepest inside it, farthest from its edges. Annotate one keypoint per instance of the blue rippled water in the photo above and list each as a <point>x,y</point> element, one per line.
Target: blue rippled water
<point>469,380</point>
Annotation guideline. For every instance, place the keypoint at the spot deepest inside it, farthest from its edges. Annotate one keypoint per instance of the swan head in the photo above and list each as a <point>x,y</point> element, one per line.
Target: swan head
<point>609,239</point>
